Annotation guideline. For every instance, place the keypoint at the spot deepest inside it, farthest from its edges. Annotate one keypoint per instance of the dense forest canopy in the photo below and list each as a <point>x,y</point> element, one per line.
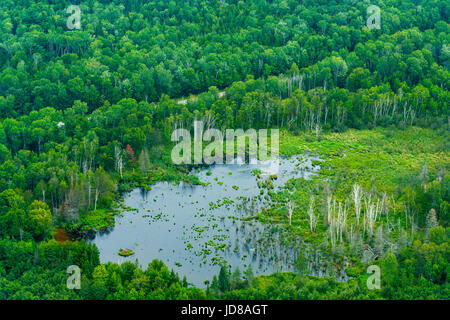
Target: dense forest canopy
<point>87,113</point>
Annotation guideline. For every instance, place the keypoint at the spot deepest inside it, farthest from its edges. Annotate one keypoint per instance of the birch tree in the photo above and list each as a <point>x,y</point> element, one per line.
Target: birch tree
<point>118,160</point>
<point>337,221</point>
<point>357,196</point>
<point>371,213</point>
<point>290,210</point>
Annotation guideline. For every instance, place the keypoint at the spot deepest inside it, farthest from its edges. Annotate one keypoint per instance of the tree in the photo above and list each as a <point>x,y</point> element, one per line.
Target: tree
<point>102,184</point>
<point>290,210</point>
<point>438,235</point>
<point>40,219</point>
<point>224,279</point>
<point>130,152</point>
<point>99,281</point>
<point>12,215</point>
<point>249,276</point>
<point>389,275</point>
<point>301,262</point>
<point>431,220</point>
<point>118,160</point>
<point>215,287</point>
<point>236,281</point>
<point>379,241</point>
<point>357,196</point>
<point>144,161</point>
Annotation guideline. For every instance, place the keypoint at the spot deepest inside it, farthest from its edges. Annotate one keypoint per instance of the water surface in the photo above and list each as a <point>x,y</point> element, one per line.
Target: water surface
<point>193,228</point>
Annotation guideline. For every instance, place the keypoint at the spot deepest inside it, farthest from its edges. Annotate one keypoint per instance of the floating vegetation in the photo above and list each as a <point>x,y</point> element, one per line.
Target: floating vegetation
<point>208,234</point>
<point>125,252</point>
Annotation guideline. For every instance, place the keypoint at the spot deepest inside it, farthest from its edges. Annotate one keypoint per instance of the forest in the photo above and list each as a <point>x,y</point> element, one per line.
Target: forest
<point>86,115</point>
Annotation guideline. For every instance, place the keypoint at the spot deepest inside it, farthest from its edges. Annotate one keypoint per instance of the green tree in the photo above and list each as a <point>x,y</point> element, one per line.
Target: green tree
<point>39,219</point>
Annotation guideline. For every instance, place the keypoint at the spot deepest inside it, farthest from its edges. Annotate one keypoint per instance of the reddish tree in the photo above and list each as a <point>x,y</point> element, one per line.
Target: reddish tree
<point>131,152</point>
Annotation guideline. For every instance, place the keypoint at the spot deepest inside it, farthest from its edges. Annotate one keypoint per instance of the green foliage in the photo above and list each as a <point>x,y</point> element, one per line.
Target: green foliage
<point>126,252</point>
<point>87,114</point>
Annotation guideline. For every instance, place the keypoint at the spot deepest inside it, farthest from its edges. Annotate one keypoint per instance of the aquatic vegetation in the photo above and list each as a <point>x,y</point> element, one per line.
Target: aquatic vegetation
<point>126,252</point>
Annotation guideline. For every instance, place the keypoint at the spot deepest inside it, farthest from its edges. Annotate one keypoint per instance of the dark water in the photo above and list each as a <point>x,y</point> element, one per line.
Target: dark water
<point>194,228</point>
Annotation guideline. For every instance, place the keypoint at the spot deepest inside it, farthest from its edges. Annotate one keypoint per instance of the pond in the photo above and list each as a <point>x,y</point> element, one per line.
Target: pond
<point>194,228</point>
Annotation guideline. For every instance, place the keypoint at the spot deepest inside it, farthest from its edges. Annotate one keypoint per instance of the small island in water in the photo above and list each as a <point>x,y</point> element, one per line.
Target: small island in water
<point>125,252</point>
